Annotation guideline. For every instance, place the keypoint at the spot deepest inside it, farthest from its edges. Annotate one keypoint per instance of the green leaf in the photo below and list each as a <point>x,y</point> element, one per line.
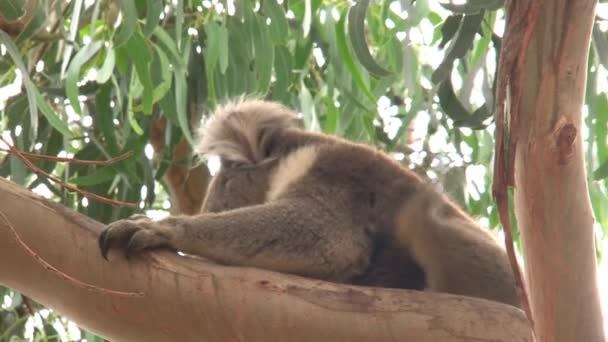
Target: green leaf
<point>213,45</point>
<point>35,24</point>
<point>600,42</point>
<point>601,172</point>
<point>601,126</point>
<point>11,10</point>
<point>332,116</point>
<point>103,117</point>
<point>449,28</point>
<point>167,42</point>
<point>394,52</point>
<point>72,34</point>
<point>18,170</point>
<point>466,33</point>
<point>263,54</point>
<point>154,9</point>
<point>51,116</point>
<point>133,122</point>
<point>307,20</point>
<point>179,74</point>
<point>473,6</point>
<point>450,103</point>
<point>139,52</point>
<point>129,23</point>
<point>179,23</point>
<point>356,31</point>
<point>347,58</point>
<point>101,175</point>
<point>73,73</point>
<point>420,10</point>
<point>279,29</point>
<point>165,72</point>
<point>106,70</point>
<point>282,70</point>
<point>29,86</point>
<point>307,106</point>
<point>167,105</point>
<point>456,111</point>
<point>181,105</point>
<point>90,337</point>
<point>223,57</point>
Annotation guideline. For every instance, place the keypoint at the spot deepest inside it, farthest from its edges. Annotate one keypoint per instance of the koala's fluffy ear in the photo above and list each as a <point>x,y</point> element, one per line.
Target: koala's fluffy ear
<point>240,131</point>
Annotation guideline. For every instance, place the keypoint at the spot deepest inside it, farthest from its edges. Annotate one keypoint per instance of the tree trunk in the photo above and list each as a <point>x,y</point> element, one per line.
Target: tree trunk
<point>56,261</point>
<point>549,47</point>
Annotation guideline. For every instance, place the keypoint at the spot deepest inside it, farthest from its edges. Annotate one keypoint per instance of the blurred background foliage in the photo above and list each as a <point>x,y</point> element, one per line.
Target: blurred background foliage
<point>93,80</point>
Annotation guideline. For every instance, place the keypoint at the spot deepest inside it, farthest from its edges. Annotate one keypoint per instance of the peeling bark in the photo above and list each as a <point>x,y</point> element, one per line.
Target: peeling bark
<point>542,80</point>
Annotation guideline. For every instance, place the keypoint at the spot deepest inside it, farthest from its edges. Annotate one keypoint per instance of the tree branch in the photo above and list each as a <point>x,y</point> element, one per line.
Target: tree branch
<point>540,153</point>
<point>188,299</point>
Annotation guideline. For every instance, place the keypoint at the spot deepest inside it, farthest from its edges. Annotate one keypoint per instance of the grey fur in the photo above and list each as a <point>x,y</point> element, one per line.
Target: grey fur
<point>347,213</point>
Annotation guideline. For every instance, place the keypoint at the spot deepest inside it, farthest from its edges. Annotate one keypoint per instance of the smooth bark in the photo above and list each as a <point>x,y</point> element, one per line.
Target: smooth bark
<point>548,48</point>
<point>187,299</point>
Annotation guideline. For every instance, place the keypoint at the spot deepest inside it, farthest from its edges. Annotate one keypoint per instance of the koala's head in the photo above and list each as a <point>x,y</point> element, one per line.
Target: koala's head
<point>244,135</point>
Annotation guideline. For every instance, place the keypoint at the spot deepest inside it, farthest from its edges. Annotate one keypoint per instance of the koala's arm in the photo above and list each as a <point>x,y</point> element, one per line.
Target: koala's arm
<point>297,236</point>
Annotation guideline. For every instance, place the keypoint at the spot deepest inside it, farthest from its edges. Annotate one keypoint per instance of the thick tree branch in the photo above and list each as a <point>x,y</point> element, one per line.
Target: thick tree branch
<point>187,299</point>
<point>543,87</point>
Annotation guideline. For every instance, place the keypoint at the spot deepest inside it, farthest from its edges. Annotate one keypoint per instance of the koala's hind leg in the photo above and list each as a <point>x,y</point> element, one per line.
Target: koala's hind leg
<point>293,236</point>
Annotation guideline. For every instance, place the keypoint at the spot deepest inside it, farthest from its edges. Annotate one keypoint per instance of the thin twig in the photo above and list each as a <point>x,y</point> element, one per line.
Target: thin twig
<point>67,186</point>
<point>59,273</point>
<point>73,160</point>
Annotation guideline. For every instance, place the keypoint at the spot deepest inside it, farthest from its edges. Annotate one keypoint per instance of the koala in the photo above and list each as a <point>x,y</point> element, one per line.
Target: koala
<point>318,206</point>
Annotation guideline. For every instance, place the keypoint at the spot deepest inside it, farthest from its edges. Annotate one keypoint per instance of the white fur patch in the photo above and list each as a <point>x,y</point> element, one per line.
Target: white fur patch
<point>295,166</point>
<point>238,131</point>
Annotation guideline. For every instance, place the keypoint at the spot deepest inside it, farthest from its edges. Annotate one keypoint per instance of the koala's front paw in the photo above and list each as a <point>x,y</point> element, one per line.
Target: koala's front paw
<point>133,236</point>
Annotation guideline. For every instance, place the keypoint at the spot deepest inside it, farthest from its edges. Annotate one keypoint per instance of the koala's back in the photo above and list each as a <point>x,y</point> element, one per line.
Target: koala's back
<point>419,238</point>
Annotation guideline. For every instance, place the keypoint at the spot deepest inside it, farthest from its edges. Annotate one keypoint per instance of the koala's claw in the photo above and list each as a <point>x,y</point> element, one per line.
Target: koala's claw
<point>117,234</point>
<point>132,236</point>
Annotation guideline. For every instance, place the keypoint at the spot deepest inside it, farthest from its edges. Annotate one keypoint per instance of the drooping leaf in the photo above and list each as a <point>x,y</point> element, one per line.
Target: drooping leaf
<point>356,32</point>
<point>263,54</point>
<point>13,52</point>
<point>129,23</point>
<point>463,42</point>
<point>105,72</point>
<point>216,37</point>
<point>283,73</point>
<point>307,19</point>
<point>140,55</point>
<point>101,175</point>
<point>11,10</point>
<point>73,74</point>
<point>347,58</point>
<point>600,42</point>
<point>456,111</point>
<point>279,29</point>
<point>52,117</point>
<point>449,28</point>
<point>473,6</point>
<point>154,9</point>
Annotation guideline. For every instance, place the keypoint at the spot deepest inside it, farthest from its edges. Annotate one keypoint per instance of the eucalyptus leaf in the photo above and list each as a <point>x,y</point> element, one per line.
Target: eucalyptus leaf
<point>356,32</point>
<point>73,73</point>
<point>466,33</point>
<point>473,6</point>
<point>129,23</point>
<point>348,60</point>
